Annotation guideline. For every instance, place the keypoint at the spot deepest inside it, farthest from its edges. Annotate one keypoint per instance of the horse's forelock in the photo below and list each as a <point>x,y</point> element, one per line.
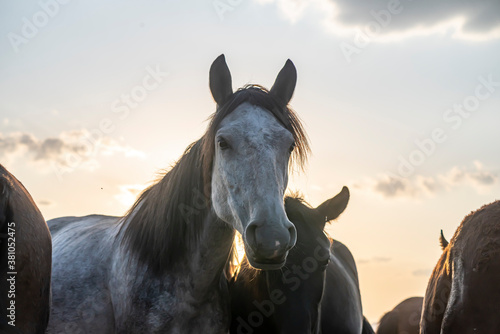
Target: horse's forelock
<point>258,96</point>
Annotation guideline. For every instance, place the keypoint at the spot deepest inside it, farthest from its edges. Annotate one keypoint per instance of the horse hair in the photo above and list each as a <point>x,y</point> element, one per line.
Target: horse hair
<point>165,222</point>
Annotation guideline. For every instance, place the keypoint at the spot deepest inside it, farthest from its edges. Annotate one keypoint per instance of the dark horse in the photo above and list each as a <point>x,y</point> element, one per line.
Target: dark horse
<point>160,268</point>
<point>295,299</point>
<point>463,294</point>
<point>402,319</point>
<point>25,255</point>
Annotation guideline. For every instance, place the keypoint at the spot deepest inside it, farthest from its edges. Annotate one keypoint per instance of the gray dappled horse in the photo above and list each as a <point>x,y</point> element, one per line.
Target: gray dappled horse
<point>159,269</point>
<point>26,250</point>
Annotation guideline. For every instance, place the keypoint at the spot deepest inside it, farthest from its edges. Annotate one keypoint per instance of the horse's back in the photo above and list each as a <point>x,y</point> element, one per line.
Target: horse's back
<point>341,310</point>
<point>56,224</point>
<point>341,252</point>
<point>23,227</point>
<point>389,323</point>
<point>81,296</point>
<point>403,318</point>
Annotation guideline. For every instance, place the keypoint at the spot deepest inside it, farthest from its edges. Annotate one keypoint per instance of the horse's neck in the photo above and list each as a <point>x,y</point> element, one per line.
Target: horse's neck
<point>201,269</point>
<point>207,261</point>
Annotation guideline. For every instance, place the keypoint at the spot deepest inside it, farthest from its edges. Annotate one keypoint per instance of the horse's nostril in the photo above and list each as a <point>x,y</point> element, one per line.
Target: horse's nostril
<point>293,237</point>
<point>270,240</point>
<point>250,234</point>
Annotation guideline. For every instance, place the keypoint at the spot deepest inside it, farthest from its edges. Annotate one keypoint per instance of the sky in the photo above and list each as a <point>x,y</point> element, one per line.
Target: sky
<point>400,100</point>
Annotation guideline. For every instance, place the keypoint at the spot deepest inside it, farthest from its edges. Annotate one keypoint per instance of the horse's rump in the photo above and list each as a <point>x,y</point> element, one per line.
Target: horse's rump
<point>463,293</point>
<point>24,235</point>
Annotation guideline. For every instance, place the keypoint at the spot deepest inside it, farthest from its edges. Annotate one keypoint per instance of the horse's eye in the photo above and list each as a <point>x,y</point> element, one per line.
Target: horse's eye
<point>223,145</point>
<point>292,147</point>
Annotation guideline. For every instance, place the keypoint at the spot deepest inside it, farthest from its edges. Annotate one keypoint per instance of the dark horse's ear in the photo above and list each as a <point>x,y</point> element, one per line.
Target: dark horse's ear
<point>442,240</point>
<point>332,208</point>
<point>220,80</point>
<point>285,83</point>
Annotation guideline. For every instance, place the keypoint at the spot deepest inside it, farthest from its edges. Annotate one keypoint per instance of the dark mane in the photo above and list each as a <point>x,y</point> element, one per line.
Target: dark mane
<point>166,220</point>
<point>301,212</point>
<point>296,205</point>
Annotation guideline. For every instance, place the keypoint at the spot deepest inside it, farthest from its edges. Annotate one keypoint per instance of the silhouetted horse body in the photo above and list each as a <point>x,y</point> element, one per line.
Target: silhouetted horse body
<point>25,236</point>
<point>341,308</point>
<point>159,269</point>
<point>295,299</point>
<point>402,319</point>
<point>463,294</point>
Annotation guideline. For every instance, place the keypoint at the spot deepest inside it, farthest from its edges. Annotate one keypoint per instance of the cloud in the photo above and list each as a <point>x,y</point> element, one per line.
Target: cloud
<point>418,185</point>
<point>477,176</point>
<point>45,202</point>
<point>64,150</point>
<point>45,149</point>
<point>390,186</point>
<point>467,19</point>
<point>422,272</point>
<point>129,193</point>
<point>484,178</point>
<point>394,186</point>
<point>375,259</point>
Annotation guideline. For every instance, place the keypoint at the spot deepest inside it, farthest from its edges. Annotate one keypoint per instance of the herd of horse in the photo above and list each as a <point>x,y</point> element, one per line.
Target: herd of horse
<point>168,265</point>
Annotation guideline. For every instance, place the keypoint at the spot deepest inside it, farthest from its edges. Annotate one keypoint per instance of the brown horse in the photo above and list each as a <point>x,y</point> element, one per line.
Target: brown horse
<point>402,319</point>
<point>25,260</point>
<point>463,294</point>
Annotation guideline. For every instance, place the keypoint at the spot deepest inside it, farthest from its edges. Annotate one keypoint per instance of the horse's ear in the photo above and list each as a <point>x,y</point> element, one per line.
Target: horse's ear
<point>442,240</point>
<point>220,80</point>
<point>332,208</point>
<point>285,83</point>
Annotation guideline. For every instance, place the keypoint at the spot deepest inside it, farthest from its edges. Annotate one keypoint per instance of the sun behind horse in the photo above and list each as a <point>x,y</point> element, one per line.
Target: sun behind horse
<point>159,269</point>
